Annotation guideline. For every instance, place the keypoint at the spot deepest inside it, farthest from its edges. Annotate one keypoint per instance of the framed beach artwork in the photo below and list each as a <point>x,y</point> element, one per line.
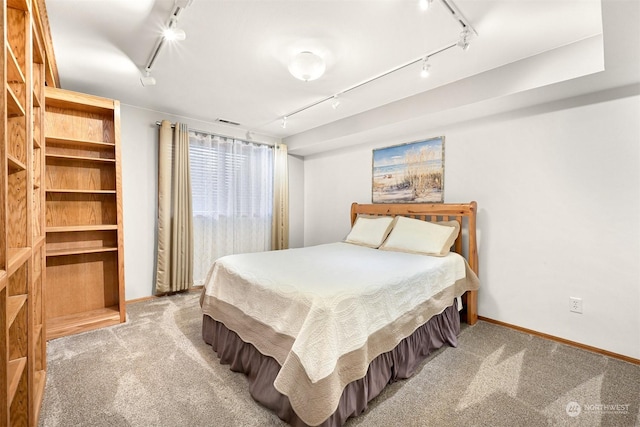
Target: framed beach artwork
<point>409,173</point>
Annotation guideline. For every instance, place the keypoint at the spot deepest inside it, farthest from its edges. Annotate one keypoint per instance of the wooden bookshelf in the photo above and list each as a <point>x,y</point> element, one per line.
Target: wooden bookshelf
<point>83,204</point>
<point>28,61</point>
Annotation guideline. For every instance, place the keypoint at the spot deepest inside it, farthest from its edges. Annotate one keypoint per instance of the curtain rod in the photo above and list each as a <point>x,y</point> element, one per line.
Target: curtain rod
<point>173,125</point>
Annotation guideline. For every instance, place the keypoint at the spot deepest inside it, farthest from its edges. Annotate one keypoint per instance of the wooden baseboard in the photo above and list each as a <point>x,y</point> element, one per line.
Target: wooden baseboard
<point>150,297</point>
<point>562,340</point>
<point>133,301</point>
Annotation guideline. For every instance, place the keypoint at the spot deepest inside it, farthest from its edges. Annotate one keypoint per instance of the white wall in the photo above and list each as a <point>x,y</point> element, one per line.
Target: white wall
<point>558,191</point>
<point>139,136</point>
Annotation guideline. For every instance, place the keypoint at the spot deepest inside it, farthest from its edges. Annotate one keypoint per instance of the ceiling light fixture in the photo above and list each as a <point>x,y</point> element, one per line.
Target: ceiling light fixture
<point>424,73</point>
<point>307,66</point>
<point>425,4</point>
<point>170,33</point>
<point>284,122</point>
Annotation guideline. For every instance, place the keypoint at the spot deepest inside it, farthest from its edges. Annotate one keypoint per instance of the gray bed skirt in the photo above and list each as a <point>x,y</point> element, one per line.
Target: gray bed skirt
<point>397,364</point>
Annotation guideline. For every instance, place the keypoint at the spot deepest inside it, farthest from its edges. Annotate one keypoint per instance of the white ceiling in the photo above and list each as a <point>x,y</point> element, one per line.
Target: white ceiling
<point>233,64</point>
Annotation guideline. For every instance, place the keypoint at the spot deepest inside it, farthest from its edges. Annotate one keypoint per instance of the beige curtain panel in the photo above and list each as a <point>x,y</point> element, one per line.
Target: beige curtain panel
<point>175,229</point>
<point>280,225</point>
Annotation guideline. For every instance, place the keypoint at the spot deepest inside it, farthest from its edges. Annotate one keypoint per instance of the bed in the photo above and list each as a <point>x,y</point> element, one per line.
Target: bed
<point>320,331</point>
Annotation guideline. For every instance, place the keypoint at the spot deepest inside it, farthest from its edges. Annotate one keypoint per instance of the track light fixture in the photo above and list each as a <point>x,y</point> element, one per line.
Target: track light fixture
<point>463,42</point>
<point>424,73</point>
<point>425,4</point>
<point>173,33</point>
<point>336,102</point>
<point>147,80</point>
<point>170,33</point>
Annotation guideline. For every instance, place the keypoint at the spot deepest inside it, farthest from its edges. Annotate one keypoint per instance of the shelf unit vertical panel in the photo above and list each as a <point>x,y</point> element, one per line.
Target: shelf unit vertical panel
<point>119,215</point>
<point>37,363</point>
<point>4,358</point>
<point>3,211</point>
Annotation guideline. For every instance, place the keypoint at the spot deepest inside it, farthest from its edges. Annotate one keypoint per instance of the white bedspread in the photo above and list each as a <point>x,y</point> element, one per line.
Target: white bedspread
<point>325,312</point>
<point>329,298</point>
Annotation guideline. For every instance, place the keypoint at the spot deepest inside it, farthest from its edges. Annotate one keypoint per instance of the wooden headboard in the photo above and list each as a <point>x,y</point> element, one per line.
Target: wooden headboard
<point>464,213</point>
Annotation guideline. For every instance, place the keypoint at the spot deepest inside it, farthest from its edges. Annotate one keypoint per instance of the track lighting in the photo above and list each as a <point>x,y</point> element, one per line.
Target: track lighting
<point>173,33</point>
<point>308,60</point>
<point>147,80</point>
<point>170,33</point>
<point>336,102</point>
<point>425,4</point>
<point>424,73</point>
<point>463,43</point>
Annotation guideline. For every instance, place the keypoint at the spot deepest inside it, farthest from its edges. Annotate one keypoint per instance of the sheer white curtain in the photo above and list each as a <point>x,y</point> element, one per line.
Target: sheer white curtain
<point>232,187</point>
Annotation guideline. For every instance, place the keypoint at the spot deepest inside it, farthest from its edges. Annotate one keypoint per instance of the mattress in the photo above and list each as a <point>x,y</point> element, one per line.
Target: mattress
<point>324,313</point>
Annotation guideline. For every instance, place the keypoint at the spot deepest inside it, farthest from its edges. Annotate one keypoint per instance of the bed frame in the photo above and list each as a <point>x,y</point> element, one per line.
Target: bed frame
<point>464,213</point>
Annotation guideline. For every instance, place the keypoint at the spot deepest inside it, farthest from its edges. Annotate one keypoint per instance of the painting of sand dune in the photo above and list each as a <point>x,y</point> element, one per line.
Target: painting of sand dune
<point>409,173</point>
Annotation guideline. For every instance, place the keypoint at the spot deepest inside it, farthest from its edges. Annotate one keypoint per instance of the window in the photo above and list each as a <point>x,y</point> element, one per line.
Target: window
<point>232,189</point>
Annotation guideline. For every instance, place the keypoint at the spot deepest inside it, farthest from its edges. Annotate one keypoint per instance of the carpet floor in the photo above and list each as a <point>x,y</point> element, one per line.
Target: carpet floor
<point>155,370</point>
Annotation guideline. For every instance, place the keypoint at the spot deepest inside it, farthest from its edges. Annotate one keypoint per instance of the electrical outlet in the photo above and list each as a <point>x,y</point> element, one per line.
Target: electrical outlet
<point>575,305</point>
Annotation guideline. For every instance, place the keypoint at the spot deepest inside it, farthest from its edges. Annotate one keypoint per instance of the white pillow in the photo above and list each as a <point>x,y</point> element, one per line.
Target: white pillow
<point>370,230</point>
<point>422,237</point>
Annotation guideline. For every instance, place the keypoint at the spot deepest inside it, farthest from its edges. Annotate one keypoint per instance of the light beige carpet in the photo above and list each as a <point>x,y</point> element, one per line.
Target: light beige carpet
<point>155,370</point>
